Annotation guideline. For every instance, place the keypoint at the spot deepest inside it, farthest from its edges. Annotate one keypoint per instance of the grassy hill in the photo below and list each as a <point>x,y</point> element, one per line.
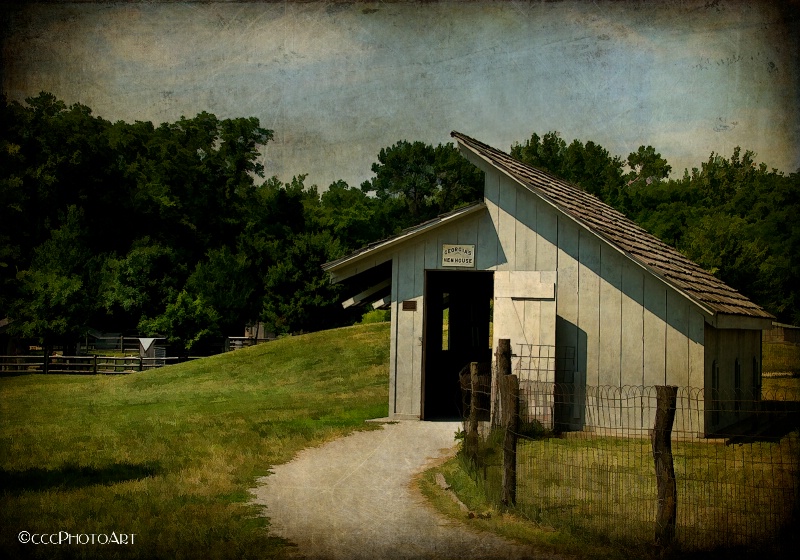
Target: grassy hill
<point>168,455</point>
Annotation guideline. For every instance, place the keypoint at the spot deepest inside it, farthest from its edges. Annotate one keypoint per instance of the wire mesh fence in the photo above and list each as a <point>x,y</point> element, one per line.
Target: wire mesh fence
<point>584,458</point>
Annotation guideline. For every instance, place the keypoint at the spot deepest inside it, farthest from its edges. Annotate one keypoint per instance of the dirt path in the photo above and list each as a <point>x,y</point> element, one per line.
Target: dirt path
<point>353,498</point>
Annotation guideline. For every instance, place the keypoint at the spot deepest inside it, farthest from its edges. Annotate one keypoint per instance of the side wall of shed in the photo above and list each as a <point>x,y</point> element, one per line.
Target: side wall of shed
<point>735,356</point>
<point>625,325</point>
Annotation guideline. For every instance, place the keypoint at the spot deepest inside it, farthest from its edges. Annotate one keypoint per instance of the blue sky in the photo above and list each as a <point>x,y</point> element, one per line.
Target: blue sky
<point>339,81</point>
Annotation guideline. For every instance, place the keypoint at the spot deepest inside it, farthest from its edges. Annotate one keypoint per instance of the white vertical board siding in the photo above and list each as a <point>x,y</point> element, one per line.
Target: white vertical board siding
<point>525,230</point>
<point>654,331</point>
<point>696,349</point>
<point>693,420</point>
<point>433,252</point>
<point>406,335</point>
<point>486,249</point>
<point>488,245</point>
<point>507,224</point>
<point>610,325</point>
<point>546,238</point>
<point>393,333</point>
<point>468,233</point>
<point>677,350</point>
<point>416,351</point>
<point>531,313</point>
<point>547,319</point>
<point>654,338</point>
<point>567,292</point>
<point>632,327</point>
<point>711,340</point>
<point>524,307</point>
<point>589,303</point>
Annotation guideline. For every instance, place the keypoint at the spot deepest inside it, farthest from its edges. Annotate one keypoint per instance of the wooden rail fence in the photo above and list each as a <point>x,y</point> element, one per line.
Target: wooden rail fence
<point>82,365</point>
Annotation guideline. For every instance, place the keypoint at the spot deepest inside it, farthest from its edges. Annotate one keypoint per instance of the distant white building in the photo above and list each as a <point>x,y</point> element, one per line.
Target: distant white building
<point>549,266</point>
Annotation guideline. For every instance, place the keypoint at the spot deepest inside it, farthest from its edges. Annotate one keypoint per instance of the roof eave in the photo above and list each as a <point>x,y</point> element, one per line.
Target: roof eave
<point>392,242</point>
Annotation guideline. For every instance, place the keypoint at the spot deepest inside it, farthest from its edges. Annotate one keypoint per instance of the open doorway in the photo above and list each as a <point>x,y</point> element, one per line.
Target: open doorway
<point>458,314</point>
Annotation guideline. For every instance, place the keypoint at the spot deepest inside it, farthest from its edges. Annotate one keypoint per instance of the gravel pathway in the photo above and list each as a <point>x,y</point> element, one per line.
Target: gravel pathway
<point>353,498</point>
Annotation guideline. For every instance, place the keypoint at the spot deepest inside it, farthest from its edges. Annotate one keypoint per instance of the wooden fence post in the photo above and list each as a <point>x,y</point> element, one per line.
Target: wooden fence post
<point>472,426</point>
<point>95,364</point>
<point>665,469</point>
<point>510,392</point>
<point>501,369</point>
<point>503,357</point>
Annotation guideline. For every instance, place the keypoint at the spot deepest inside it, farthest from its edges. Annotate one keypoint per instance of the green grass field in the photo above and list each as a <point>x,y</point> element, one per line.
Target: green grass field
<point>728,495</point>
<point>781,357</point>
<point>169,454</point>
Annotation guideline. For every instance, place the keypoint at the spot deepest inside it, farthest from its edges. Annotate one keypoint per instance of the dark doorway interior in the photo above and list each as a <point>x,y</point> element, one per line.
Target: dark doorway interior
<point>458,313</point>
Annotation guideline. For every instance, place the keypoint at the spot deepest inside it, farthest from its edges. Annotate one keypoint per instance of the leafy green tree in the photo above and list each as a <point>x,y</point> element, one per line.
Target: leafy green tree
<point>722,244</point>
<point>350,215</point>
<point>589,166</point>
<point>459,182</point>
<point>55,293</point>
<point>188,322</point>
<point>647,166</point>
<point>405,181</point>
<point>546,152</point>
<point>415,182</point>
<point>225,281</point>
<point>299,295</point>
<point>141,283</point>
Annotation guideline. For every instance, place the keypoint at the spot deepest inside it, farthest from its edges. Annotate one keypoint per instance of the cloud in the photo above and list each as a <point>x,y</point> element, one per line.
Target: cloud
<point>338,84</point>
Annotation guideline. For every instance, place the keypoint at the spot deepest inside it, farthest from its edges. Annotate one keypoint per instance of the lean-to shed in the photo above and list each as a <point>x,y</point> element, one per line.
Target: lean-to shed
<point>560,273</point>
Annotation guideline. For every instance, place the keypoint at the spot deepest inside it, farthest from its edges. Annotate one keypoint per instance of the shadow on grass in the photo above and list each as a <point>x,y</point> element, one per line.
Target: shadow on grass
<point>71,476</point>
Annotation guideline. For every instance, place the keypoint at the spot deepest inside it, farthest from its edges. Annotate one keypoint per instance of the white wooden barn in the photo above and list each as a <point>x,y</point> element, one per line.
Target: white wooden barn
<point>551,267</point>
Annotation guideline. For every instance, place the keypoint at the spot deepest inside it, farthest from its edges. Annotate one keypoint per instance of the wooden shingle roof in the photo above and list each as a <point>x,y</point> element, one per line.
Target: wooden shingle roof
<point>612,226</point>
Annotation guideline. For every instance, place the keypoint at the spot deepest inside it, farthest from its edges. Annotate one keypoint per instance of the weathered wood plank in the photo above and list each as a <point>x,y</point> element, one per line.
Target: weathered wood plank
<point>486,251</point>
<point>677,355</point>
<point>632,357</point>
<point>547,234</point>
<point>654,331</point>
<point>589,303</point>
<point>467,233</point>
<point>416,351</point>
<point>525,230</point>
<point>524,284</point>
<point>393,333</point>
<point>610,349</point>
<point>506,223</point>
<point>405,331</point>
<point>547,322</point>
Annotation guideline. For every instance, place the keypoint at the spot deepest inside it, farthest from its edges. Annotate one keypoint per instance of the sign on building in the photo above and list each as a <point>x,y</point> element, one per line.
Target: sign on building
<point>458,255</point>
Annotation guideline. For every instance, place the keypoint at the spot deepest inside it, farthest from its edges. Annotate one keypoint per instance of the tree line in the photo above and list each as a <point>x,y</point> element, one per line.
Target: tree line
<point>176,230</point>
